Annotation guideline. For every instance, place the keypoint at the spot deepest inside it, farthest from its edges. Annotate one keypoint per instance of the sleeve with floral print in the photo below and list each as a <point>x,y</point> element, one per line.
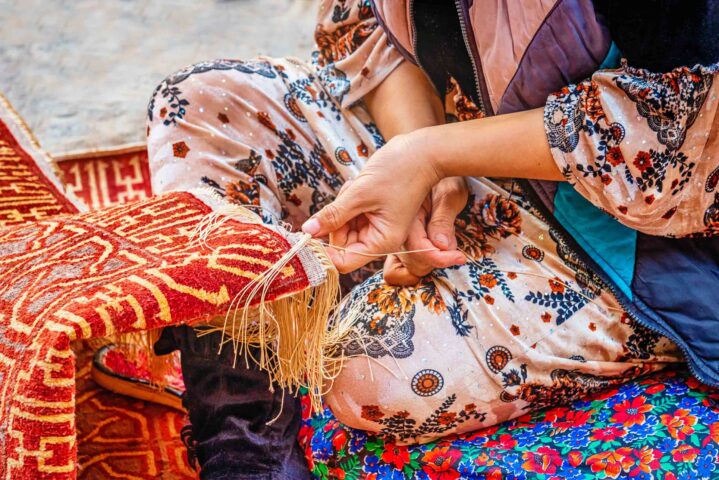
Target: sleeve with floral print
<point>353,52</point>
<point>642,146</point>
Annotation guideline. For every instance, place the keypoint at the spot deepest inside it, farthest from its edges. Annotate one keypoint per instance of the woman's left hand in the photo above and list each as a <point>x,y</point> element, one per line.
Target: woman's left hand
<point>375,213</point>
<point>433,228</point>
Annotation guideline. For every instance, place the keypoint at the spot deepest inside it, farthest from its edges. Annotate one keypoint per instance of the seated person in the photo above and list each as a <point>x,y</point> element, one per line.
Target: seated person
<point>581,268</point>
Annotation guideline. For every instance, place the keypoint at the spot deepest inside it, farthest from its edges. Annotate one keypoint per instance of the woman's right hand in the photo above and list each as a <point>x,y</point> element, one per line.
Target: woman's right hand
<point>376,212</point>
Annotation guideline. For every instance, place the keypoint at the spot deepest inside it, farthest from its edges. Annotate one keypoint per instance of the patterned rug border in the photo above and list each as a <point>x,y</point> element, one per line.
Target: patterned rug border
<point>29,143</point>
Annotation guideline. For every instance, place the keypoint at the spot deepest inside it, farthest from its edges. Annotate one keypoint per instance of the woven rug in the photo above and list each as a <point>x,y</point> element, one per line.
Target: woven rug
<point>104,178</point>
<point>66,277</point>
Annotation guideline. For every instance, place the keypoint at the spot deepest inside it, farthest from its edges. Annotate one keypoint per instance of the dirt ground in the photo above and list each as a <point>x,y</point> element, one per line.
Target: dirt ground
<point>81,72</point>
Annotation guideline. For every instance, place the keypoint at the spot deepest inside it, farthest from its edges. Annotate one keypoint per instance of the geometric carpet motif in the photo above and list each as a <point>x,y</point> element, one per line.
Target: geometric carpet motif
<point>73,277</point>
<point>106,178</point>
<point>29,187</point>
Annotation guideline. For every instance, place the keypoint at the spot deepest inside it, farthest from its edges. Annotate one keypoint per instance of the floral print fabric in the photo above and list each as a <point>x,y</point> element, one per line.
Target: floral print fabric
<point>523,325</point>
<point>642,146</point>
<point>664,427</point>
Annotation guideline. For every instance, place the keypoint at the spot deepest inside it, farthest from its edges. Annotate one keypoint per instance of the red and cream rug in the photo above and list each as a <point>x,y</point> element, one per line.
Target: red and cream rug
<point>69,275</point>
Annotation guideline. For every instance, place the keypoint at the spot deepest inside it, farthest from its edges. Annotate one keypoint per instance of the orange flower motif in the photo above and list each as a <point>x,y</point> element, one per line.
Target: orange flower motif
<point>647,461</point>
<point>372,413</point>
<point>337,473</point>
<point>180,149</point>
<point>430,296</point>
<point>544,460</point>
<point>685,453</point>
<point>393,301</point>
<point>614,156</point>
<point>631,412</point>
<point>714,432</point>
<point>439,463</point>
<point>643,161</point>
<point>447,418</point>
<point>575,458</point>
<point>612,462</point>
<point>680,424</point>
<point>488,280</point>
<point>556,285</point>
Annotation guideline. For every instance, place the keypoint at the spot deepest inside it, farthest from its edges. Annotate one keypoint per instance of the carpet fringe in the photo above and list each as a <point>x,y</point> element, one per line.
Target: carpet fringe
<point>297,339</point>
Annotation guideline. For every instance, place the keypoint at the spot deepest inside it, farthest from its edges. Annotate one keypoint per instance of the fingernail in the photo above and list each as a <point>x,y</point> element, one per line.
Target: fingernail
<point>441,240</point>
<point>311,226</point>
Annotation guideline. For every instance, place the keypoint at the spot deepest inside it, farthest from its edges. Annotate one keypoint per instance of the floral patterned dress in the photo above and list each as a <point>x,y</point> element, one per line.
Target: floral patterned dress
<point>524,324</point>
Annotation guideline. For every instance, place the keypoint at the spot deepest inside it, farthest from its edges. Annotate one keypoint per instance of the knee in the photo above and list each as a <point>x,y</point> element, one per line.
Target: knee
<point>201,82</point>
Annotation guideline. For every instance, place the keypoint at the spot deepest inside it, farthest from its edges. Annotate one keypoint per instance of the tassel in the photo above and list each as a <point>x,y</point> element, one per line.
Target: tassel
<point>296,338</point>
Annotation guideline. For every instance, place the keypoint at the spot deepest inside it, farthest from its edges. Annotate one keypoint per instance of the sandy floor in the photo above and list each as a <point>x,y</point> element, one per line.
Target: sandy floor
<point>80,72</point>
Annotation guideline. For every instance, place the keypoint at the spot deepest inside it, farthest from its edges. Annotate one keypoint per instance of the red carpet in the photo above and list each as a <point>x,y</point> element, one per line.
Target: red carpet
<point>67,277</point>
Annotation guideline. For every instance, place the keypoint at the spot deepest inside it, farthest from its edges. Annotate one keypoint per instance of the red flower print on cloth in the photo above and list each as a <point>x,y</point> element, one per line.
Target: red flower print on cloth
<point>586,440</point>
<point>180,149</point>
<point>615,156</point>
<point>647,461</point>
<point>631,412</point>
<point>439,463</point>
<point>607,434</point>
<point>397,456</point>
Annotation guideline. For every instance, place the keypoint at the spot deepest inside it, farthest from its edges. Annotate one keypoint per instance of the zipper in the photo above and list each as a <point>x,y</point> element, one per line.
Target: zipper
<point>471,46</point>
<point>621,299</point>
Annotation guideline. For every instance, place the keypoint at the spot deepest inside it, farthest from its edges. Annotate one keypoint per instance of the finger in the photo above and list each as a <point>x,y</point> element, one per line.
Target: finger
<point>448,202</point>
<point>417,263</point>
<point>351,256</point>
<point>395,273</point>
<point>332,217</point>
<point>422,262</point>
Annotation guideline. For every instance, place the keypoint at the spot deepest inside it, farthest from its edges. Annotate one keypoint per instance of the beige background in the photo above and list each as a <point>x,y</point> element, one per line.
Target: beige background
<point>81,71</point>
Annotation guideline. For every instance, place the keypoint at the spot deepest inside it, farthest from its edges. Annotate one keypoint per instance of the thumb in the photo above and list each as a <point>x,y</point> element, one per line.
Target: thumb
<point>440,228</point>
<point>331,218</point>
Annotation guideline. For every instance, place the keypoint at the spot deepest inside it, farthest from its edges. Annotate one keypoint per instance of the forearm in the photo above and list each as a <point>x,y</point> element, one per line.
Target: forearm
<point>404,102</point>
<point>505,146</point>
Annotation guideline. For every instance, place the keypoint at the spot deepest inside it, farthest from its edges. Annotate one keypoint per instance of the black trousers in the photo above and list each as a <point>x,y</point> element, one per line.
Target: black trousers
<point>229,409</point>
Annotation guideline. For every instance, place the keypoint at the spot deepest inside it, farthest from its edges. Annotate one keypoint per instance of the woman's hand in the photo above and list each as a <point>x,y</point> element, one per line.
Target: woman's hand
<point>432,228</point>
<point>376,211</point>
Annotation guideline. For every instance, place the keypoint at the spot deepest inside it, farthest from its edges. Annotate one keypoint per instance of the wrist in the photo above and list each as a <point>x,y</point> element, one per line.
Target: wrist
<point>426,155</point>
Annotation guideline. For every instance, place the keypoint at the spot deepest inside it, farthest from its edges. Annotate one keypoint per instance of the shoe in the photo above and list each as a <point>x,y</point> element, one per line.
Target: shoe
<point>123,369</point>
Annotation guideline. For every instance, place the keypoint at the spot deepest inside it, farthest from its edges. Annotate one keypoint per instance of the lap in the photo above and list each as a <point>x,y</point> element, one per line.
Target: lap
<point>521,326</point>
